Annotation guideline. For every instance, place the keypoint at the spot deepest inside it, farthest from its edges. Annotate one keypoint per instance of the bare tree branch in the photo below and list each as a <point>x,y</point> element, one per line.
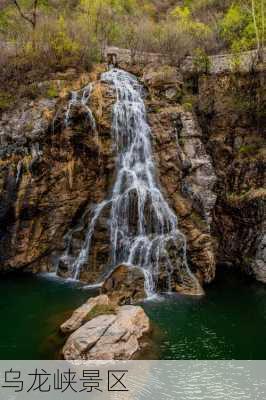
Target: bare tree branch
<point>255,24</point>
<point>263,23</point>
<point>32,20</point>
<point>34,14</point>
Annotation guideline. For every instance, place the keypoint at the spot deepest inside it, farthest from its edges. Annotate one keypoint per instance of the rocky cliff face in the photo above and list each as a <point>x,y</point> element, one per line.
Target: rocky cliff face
<point>185,169</point>
<point>49,173</point>
<point>52,175</point>
<point>231,110</point>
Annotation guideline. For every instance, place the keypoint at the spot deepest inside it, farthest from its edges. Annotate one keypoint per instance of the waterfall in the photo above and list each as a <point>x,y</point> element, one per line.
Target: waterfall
<point>143,228</point>
<point>80,98</point>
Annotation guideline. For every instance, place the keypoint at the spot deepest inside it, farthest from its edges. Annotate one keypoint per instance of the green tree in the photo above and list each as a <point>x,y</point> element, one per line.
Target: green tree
<point>28,11</point>
<point>198,31</point>
<point>31,17</point>
<point>243,26</point>
<point>258,16</point>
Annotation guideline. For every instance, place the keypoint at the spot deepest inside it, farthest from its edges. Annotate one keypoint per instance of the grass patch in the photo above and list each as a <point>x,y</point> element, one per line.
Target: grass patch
<point>100,310</point>
<point>198,220</point>
<point>52,92</point>
<point>189,102</point>
<point>6,101</point>
<point>188,107</point>
<point>248,149</point>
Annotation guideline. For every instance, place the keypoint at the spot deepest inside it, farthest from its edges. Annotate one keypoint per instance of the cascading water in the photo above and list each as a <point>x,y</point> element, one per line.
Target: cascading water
<point>143,229</point>
<point>80,98</point>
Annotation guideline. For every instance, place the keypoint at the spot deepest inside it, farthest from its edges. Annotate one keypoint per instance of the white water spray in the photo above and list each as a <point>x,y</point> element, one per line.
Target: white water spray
<point>80,98</point>
<point>143,229</point>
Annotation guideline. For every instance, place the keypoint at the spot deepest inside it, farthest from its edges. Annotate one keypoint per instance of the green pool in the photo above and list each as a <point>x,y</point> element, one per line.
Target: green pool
<point>228,323</point>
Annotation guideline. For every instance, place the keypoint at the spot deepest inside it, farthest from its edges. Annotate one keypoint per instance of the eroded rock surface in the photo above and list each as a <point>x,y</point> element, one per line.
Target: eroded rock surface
<point>79,315</point>
<point>187,176</point>
<point>49,174</point>
<point>126,284</point>
<point>211,169</point>
<point>231,110</point>
<point>259,263</point>
<point>109,337</point>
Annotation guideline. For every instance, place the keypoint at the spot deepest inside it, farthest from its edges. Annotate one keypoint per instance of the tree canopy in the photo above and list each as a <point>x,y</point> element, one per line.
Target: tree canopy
<point>75,31</point>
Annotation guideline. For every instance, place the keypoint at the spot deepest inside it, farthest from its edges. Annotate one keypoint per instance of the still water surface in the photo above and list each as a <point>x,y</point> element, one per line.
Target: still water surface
<point>229,322</point>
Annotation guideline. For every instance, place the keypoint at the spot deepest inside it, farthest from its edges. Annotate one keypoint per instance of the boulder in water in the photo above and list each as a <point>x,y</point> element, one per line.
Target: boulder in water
<point>78,317</point>
<point>125,284</point>
<point>116,336</point>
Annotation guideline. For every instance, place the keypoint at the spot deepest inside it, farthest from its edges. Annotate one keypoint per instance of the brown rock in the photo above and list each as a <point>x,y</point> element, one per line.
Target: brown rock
<point>79,315</point>
<point>182,167</point>
<point>125,285</point>
<point>109,337</point>
<point>50,175</point>
<point>232,116</point>
<point>80,342</point>
<point>157,76</point>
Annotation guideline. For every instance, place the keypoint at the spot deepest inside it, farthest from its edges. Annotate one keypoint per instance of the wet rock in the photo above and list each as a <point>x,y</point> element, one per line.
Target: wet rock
<point>187,176</point>
<point>59,166</point>
<point>64,266</point>
<point>195,290</point>
<point>199,182</point>
<point>30,120</point>
<point>125,285</point>
<point>79,315</point>
<point>172,94</point>
<point>109,337</point>
<point>51,175</point>
<point>259,263</point>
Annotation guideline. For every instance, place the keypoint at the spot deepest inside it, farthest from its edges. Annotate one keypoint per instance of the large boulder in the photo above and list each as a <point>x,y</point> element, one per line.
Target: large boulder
<point>125,285</point>
<point>115,336</point>
<point>78,317</point>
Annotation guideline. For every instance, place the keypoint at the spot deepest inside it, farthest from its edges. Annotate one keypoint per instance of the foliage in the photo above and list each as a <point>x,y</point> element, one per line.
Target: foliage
<point>242,26</point>
<point>52,92</point>
<point>196,30</point>
<point>62,45</point>
<point>202,61</point>
<point>188,107</point>
<point>237,28</point>
<point>248,149</point>
<point>189,102</point>
<point>5,101</point>
<point>74,32</point>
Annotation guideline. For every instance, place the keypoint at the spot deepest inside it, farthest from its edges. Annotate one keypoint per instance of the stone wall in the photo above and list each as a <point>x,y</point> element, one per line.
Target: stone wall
<point>220,63</point>
<point>117,55</point>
